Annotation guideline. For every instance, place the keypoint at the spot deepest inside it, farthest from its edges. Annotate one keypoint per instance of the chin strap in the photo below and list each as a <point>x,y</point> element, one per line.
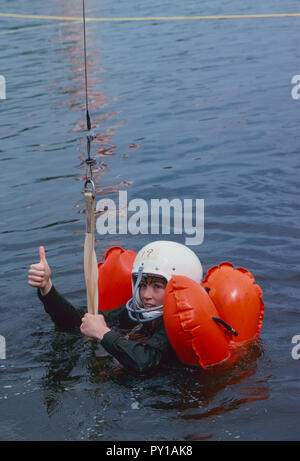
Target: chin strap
<point>136,313</point>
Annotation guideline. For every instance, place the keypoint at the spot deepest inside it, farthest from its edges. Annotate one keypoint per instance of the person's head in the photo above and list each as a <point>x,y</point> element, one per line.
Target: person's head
<point>151,292</point>
<point>153,267</point>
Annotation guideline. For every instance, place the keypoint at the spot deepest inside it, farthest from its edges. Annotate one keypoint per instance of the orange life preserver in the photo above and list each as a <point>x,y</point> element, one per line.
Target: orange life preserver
<point>204,322</point>
<point>114,278</point>
<point>194,335</point>
<point>205,328</point>
<point>237,298</point>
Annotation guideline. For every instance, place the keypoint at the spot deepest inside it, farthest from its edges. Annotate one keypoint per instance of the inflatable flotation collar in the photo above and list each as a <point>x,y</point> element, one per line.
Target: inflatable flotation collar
<point>204,322</point>
<point>237,299</point>
<point>194,335</point>
<point>114,278</point>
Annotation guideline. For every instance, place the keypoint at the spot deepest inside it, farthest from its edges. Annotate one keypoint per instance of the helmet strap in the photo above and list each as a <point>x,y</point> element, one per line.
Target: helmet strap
<point>138,315</point>
<point>134,311</point>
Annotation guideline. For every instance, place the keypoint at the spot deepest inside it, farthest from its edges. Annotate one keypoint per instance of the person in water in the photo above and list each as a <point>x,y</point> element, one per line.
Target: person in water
<point>134,334</point>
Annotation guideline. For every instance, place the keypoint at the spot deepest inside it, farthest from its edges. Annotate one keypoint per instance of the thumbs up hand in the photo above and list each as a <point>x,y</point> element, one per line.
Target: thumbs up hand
<point>39,274</point>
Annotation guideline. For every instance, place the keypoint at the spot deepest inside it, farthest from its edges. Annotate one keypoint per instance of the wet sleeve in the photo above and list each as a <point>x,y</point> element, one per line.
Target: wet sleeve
<point>61,311</point>
<point>134,355</point>
<point>118,317</point>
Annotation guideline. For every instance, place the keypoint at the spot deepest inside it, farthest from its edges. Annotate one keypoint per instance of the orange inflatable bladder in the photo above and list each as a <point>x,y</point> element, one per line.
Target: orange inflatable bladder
<point>188,317</point>
<point>114,278</point>
<point>237,298</point>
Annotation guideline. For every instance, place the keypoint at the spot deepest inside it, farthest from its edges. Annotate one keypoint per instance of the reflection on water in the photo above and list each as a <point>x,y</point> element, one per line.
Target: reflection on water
<point>102,144</point>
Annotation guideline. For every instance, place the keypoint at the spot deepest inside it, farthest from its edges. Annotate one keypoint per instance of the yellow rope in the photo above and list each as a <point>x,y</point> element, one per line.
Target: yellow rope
<point>175,18</point>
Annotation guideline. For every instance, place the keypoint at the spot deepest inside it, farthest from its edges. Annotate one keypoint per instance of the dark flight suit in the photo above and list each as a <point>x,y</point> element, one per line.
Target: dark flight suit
<point>138,351</point>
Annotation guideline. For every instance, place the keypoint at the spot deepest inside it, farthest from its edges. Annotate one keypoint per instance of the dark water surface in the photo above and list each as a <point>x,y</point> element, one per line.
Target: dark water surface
<point>187,109</point>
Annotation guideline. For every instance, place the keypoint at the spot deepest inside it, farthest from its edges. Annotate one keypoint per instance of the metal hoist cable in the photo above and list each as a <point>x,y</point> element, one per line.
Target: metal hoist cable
<point>90,259</point>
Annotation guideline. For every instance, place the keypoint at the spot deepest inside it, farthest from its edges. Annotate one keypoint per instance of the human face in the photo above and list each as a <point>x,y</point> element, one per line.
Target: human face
<point>152,290</point>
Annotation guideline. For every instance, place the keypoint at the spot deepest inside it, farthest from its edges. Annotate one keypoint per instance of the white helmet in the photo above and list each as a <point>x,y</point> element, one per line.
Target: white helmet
<point>163,259</point>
